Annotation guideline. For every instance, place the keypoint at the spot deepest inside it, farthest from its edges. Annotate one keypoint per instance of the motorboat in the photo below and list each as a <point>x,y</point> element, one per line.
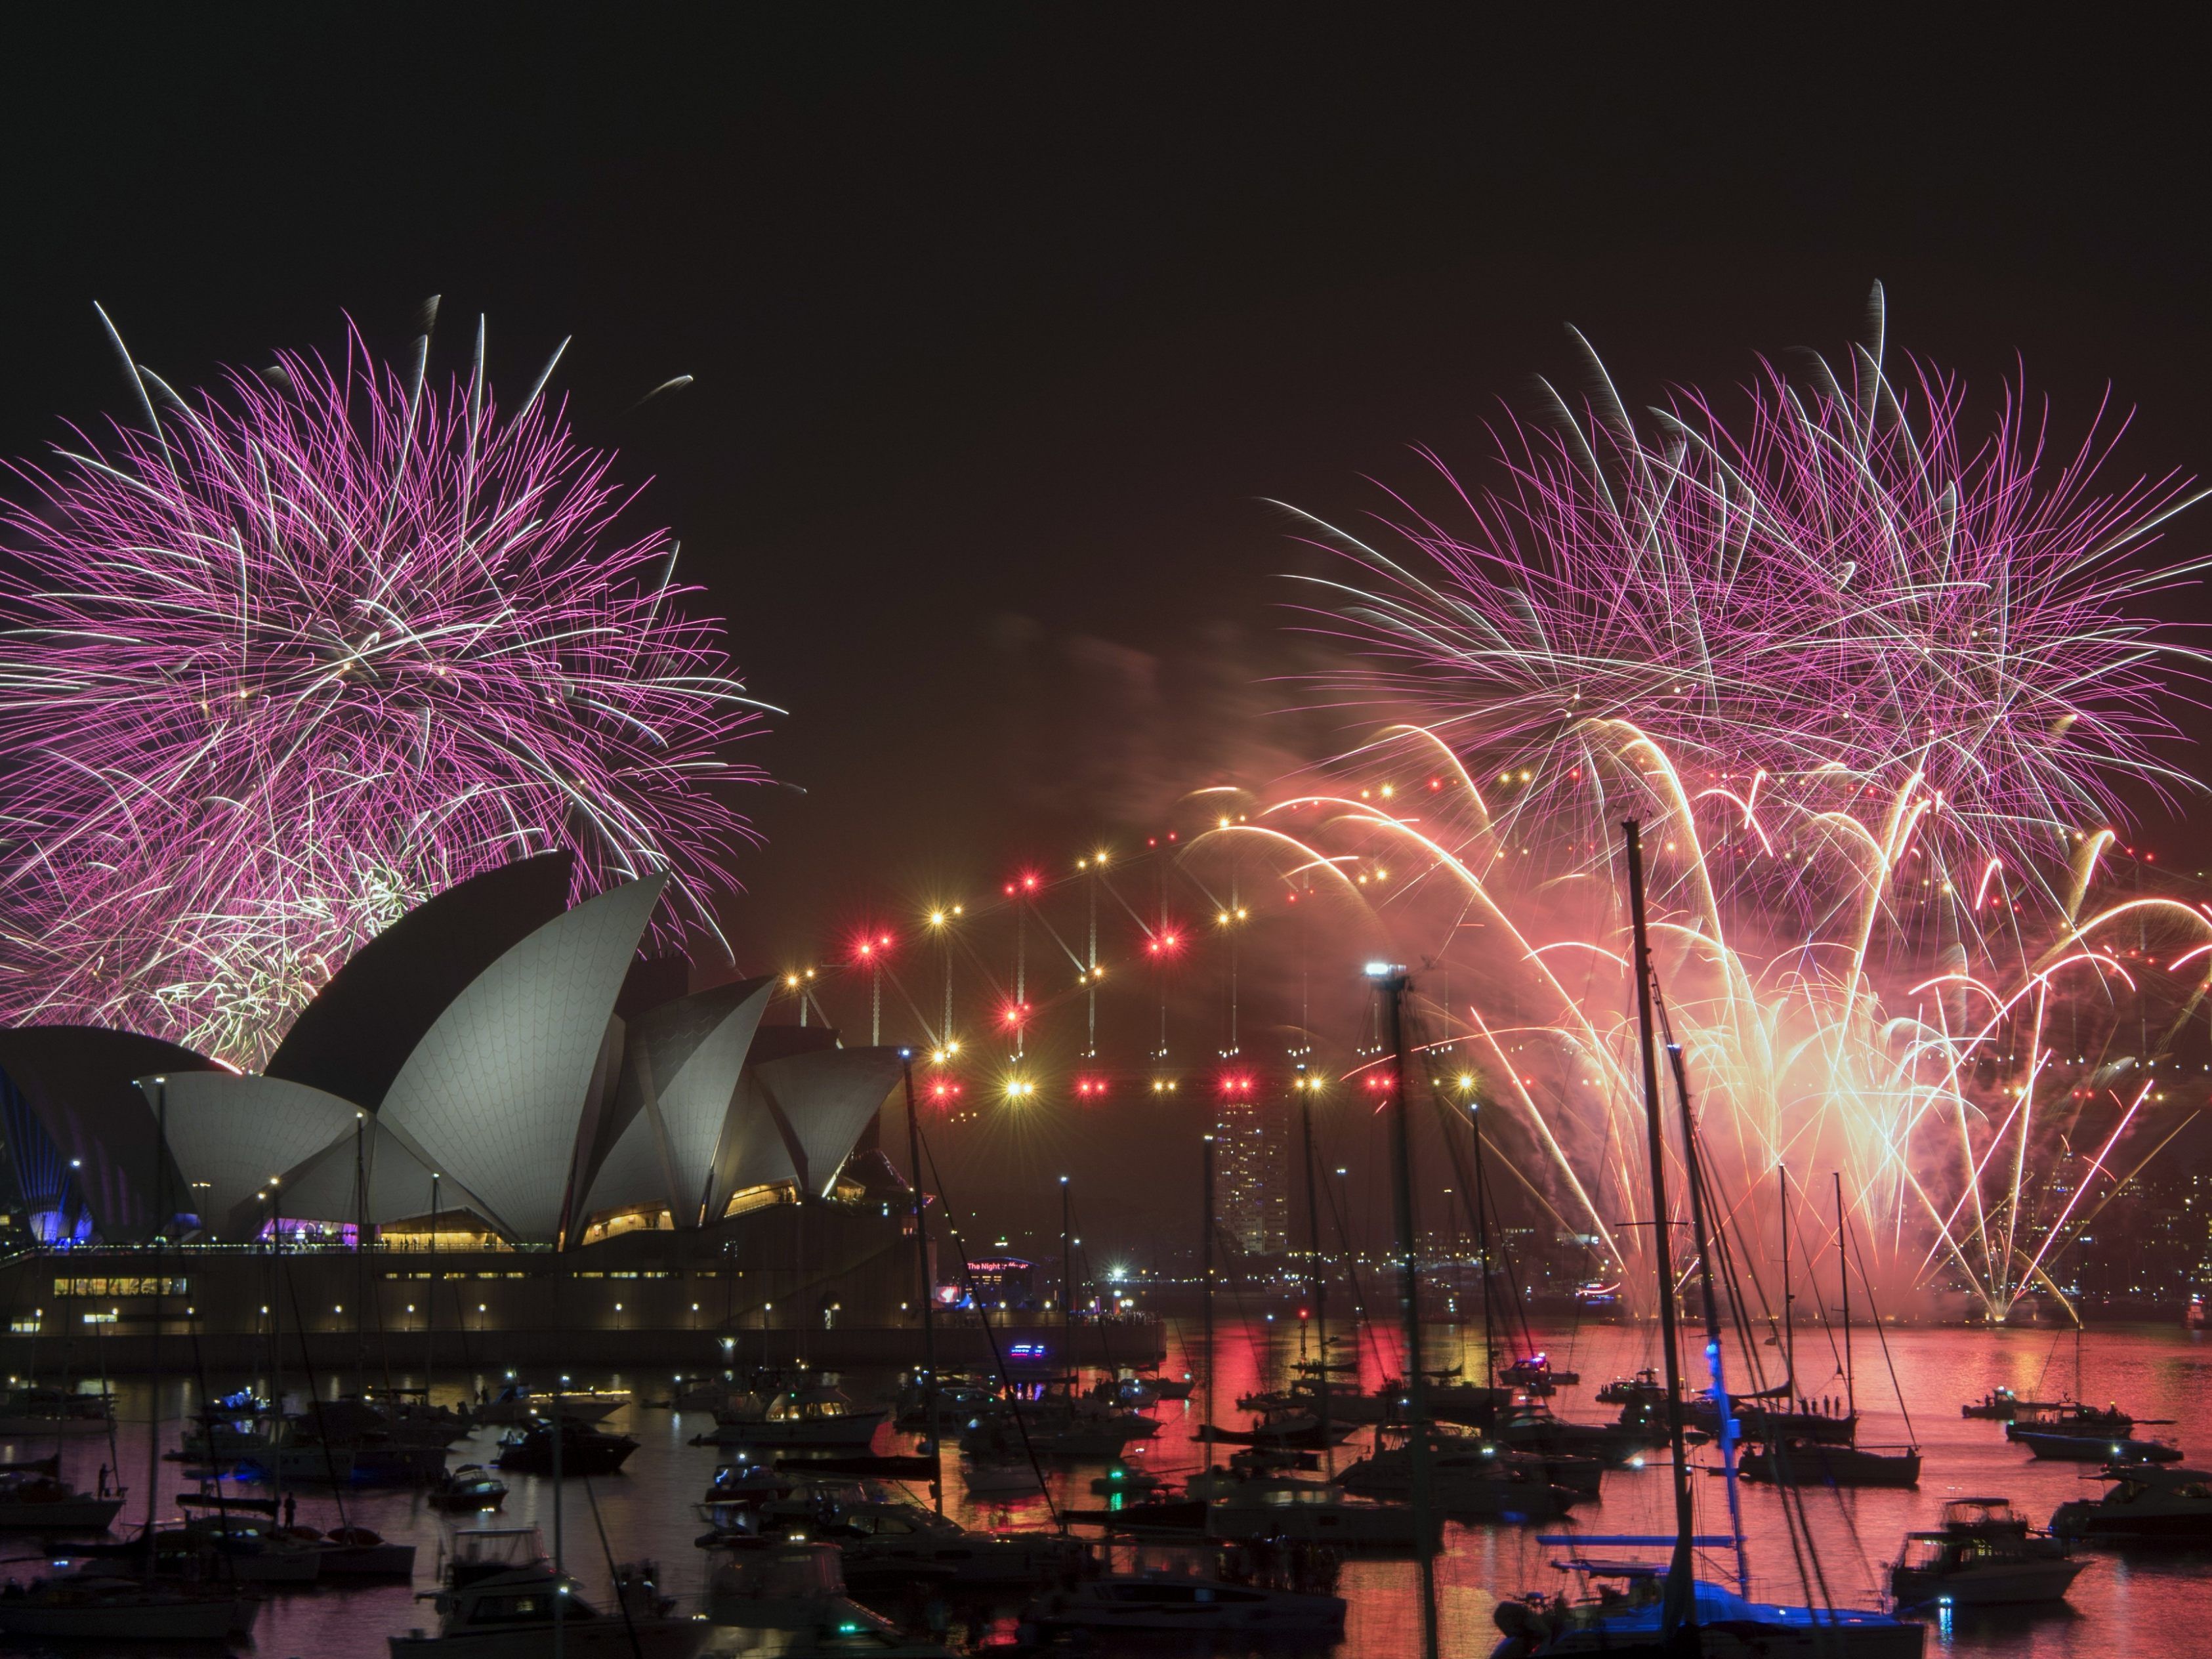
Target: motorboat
<point>471,1486</point>
<point>743,1482</point>
<point>516,1406</point>
<point>513,1615</point>
<point>2068,1448</point>
<point>1174,1602</point>
<point>98,1607</point>
<point>2142,1505</point>
<point>1809,1463</point>
<point>34,1500</point>
<point>2071,1417</point>
<point>1626,1390</point>
<point>961,1399</point>
<point>1315,1512</point>
<point>583,1450</point>
<point>1533,1373</point>
<point>799,1417</point>
<point>1620,1613</point>
<point>2002,1405</point>
<point>1983,1555</point>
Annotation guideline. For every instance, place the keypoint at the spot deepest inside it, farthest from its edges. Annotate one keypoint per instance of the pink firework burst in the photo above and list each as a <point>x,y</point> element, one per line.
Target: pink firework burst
<point>300,649</point>
<point>1842,591</point>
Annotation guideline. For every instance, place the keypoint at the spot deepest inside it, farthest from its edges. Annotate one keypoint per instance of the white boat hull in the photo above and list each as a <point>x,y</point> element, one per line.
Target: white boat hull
<point>1991,1584</point>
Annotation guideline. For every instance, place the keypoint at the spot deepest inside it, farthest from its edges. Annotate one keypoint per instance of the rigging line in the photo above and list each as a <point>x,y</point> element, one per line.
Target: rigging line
<point>998,1359</point>
<point>1874,1314</point>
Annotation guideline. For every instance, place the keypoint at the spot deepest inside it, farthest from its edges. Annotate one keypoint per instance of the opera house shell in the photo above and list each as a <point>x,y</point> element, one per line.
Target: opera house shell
<point>494,1059</point>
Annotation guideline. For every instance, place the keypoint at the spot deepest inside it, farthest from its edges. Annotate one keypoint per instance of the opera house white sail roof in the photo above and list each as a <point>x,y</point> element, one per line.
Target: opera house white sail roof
<point>469,1058</point>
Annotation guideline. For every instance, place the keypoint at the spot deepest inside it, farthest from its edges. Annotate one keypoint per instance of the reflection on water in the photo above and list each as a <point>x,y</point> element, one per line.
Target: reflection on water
<point>2125,1603</point>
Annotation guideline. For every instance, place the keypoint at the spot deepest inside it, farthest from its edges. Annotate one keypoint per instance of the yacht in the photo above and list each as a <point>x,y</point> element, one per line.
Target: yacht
<point>512,1615</point>
<point>583,1450</point>
<point>517,1407</point>
<point>2002,1405</point>
<point>471,1486</point>
<point>2142,1505</point>
<point>799,1416</point>
<point>1176,1602</point>
<point>1985,1555</point>
<point>2053,1446</point>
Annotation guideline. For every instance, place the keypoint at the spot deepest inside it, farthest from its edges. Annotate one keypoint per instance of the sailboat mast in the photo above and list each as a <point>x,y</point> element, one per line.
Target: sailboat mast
<point>1678,1606</point>
<point>1316,1280</point>
<point>928,1290</point>
<point>1788,1325</point>
<point>1843,1272</point>
<point>153,1408</point>
<point>1206,1283</point>
<point>1393,984</point>
<point>1724,1407</point>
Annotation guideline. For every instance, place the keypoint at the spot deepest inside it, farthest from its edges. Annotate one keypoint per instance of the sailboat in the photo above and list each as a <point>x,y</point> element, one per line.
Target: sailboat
<point>1641,1608</point>
<point>1787,1460</point>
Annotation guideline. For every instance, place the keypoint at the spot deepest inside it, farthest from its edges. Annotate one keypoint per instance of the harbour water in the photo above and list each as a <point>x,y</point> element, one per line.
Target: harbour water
<point>2128,1601</point>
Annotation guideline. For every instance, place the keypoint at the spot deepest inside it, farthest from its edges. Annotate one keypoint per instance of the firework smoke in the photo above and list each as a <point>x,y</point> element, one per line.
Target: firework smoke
<point>289,654</point>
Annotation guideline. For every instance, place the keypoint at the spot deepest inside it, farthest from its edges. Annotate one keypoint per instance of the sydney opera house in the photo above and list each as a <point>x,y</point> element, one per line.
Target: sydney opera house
<point>543,1150</point>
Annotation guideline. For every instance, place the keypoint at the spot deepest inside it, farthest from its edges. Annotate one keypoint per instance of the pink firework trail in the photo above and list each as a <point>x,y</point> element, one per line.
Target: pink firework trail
<point>287,655</point>
<point>1843,591</point>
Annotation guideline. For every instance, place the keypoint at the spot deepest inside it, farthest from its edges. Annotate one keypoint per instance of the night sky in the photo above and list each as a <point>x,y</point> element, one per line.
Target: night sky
<point>1005,320</point>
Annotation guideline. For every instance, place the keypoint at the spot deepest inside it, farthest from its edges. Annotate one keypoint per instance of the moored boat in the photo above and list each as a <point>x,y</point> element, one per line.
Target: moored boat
<point>471,1486</point>
<point>2067,1447</point>
<point>1809,1463</point>
<point>800,1416</point>
<point>583,1450</point>
<point>1985,1555</point>
<point>2142,1505</point>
